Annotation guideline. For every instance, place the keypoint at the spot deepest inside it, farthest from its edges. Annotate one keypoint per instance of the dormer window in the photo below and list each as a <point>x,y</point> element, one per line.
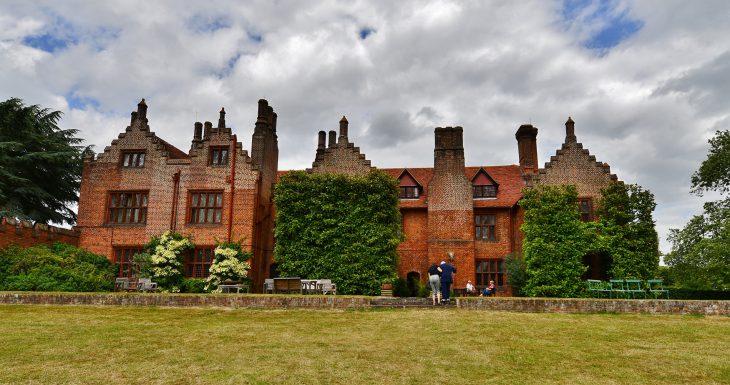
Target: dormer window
<point>218,156</point>
<point>483,186</point>
<point>409,186</point>
<point>409,192</point>
<point>485,192</point>
<point>131,159</point>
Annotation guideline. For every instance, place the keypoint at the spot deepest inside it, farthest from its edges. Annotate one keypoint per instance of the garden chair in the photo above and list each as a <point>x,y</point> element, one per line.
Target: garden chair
<point>328,287</point>
<point>269,285</point>
<point>121,284</point>
<point>618,288</point>
<point>656,288</point>
<point>146,285</point>
<point>597,288</point>
<point>633,287</point>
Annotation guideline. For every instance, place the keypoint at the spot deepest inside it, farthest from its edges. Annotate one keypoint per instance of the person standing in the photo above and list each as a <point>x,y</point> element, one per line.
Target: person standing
<point>447,278</point>
<point>434,280</point>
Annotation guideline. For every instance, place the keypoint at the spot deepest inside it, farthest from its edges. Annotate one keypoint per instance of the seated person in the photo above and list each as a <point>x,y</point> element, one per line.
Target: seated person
<point>470,289</point>
<point>489,290</point>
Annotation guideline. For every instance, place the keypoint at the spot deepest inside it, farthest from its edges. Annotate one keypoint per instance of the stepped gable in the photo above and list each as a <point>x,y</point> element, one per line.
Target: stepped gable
<point>339,155</point>
<point>509,178</point>
<point>573,164</point>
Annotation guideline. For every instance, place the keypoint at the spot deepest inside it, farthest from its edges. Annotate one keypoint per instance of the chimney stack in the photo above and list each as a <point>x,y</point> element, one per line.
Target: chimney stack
<point>263,111</point>
<point>333,139</point>
<point>208,129</point>
<point>526,137</point>
<point>322,140</point>
<point>222,118</point>
<point>343,129</point>
<point>570,131</point>
<point>142,110</point>
<point>198,131</point>
<point>449,150</point>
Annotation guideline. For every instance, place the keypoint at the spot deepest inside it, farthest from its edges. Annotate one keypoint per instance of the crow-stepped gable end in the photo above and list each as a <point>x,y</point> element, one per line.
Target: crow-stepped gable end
<point>141,186</point>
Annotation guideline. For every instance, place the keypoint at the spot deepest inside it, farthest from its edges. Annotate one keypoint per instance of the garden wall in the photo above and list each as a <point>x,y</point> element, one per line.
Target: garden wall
<point>531,305</point>
<point>25,234</point>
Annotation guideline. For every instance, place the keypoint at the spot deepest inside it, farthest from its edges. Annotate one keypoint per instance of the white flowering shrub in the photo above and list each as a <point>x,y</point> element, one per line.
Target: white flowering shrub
<point>166,259</point>
<point>229,263</point>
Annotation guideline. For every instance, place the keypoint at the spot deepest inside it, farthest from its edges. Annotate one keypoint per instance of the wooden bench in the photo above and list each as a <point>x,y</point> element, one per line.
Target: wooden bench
<point>288,285</point>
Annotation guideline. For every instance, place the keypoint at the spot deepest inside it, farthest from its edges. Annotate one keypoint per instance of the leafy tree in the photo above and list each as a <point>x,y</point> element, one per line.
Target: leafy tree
<point>40,164</point>
<point>555,242</point>
<point>343,228</point>
<point>700,256</point>
<point>628,236</point>
<point>57,267</point>
<point>514,265</point>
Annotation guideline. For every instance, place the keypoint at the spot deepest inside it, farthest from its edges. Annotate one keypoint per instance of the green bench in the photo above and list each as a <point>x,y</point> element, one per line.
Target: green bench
<point>627,288</point>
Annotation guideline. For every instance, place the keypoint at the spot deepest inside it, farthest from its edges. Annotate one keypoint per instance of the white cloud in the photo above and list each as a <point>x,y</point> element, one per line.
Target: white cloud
<point>646,106</point>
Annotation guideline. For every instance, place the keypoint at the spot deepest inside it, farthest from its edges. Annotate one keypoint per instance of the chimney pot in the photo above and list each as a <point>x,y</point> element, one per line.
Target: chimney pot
<point>322,140</point>
<point>198,131</point>
<point>208,129</point>
<point>332,139</point>
<point>222,118</point>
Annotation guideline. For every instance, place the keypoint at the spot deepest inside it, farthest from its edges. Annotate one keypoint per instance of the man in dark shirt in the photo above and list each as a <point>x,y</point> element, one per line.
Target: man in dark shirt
<point>447,278</point>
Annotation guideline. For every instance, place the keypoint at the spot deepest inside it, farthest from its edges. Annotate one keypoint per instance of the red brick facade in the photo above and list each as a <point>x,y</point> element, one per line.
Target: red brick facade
<point>142,186</point>
<point>214,192</point>
<point>25,234</point>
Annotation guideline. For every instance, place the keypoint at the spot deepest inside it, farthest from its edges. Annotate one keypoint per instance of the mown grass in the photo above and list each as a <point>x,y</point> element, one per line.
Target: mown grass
<point>127,345</point>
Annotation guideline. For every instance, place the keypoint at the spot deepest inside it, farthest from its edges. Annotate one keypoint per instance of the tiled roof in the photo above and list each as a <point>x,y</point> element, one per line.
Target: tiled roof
<point>172,151</point>
<point>508,177</point>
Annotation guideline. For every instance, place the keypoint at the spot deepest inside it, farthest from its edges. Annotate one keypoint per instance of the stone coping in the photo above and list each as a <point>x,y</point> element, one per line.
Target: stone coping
<point>275,301</point>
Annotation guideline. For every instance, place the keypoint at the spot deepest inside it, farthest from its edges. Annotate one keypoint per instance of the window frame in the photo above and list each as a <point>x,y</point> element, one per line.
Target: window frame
<point>403,194</point>
<point>485,228</point>
<point>586,216</point>
<point>131,271</point>
<point>198,262</point>
<point>193,216</point>
<point>480,191</point>
<point>495,271</point>
<point>141,156</point>
<point>218,160</point>
<point>112,212</point>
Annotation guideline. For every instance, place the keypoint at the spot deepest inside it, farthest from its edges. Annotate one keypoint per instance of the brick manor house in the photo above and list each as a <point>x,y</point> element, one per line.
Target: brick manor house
<point>141,186</point>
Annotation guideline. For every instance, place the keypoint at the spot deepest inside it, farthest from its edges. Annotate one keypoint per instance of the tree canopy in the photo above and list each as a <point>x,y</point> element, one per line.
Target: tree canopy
<point>555,241</point>
<point>700,256</point>
<point>337,227</point>
<point>40,164</point>
<point>627,231</point>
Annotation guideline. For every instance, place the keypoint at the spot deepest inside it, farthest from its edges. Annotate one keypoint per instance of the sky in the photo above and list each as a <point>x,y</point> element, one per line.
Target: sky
<point>646,82</point>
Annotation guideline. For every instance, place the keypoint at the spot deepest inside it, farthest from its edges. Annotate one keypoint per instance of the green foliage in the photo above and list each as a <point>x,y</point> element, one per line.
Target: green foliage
<point>343,228</point>
<point>192,285</point>
<point>714,172</point>
<point>164,255</point>
<point>700,256</point>
<point>627,233</point>
<point>40,164</point>
<point>555,242</point>
<point>230,262</point>
<point>516,268</point>
<point>400,288</point>
<point>58,267</point>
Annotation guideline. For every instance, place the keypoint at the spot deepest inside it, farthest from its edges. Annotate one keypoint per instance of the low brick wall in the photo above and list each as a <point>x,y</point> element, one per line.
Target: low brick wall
<point>529,305</point>
<point>547,305</point>
<point>25,234</point>
<point>172,300</point>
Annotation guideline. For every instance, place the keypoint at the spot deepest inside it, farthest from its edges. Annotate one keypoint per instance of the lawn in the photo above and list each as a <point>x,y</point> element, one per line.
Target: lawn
<point>128,345</point>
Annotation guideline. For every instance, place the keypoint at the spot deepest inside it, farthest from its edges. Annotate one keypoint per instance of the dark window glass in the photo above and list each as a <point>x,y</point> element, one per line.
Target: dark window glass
<point>409,192</point>
<point>485,228</point>
<point>206,207</point>
<point>124,260</point>
<point>132,159</point>
<point>128,207</point>
<point>197,264</point>
<point>218,156</point>
<point>490,270</point>
<point>485,191</point>
<point>586,209</point>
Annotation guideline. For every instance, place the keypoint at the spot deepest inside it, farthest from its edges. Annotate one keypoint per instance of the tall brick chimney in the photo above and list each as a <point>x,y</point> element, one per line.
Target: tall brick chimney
<point>264,143</point>
<point>343,130</point>
<point>526,137</point>
<point>570,131</point>
<point>222,118</point>
<point>332,139</point>
<point>198,131</point>
<point>450,204</point>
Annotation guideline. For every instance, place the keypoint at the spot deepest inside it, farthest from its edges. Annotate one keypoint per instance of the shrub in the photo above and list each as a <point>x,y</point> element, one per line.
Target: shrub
<point>334,226</point>
<point>58,267</point>
<point>192,285</point>
<point>163,259</point>
<point>229,263</point>
<point>400,288</point>
<point>516,270</point>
